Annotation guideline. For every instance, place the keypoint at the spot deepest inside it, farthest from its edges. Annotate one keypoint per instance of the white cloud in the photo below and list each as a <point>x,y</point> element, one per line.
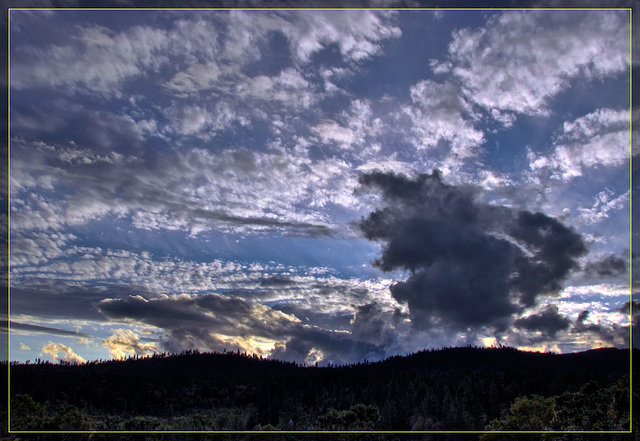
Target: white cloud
<point>289,87</point>
<point>600,290</point>
<point>99,60</point>
<point>388,166</point>
<point>197,77</point>
<point>440,114</point>
<point>58,350</point>
<point>605,203</point>
<point>521,59</point>
<point>125,342</point>
<point>38,247</point>
<point>24,347</point>
<point>330,131</point>
<point>357,33</point>
<point>191,190</point>
<point>203,121</point>
<point>215,61</point>
<point>600,138</point>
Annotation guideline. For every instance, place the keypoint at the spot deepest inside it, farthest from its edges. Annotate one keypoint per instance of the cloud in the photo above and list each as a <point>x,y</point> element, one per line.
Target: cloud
<point>97,60</point>
<point>371,324</point>
<point>57,350</point>
<point>125,342</point>
<point>357,33</point>
<point>470,264</point>
<point>521,59</point>
<point>330,131</point>
<point>289,87</point>
<point>206,316</point>
<point>73,284</point>
<point>191,190</point>
<point>38,247</point>
<point>600,138</point>
<point>26,327</point>
<point>209,53</point>
<point>310,345</point>
<point>440,114</point>
<point>24,347</point>
<point>197,77</point>
<point>202,122</point>
<point>139,162</point>
<point>608,266</point>
<point>215,322</point>
<point>549,322</point>
<point>635,322</point>
<point>612,334</point>
<point>630,307</point>
<point>58,299</point>
<point>605,204</point>
<point>277,281</point>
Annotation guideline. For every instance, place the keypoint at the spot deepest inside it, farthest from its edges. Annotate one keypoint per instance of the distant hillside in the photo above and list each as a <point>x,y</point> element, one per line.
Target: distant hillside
<point>449,389</point>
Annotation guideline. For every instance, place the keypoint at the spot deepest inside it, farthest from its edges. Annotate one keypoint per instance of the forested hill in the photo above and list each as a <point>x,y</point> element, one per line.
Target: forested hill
<point>448,389</point>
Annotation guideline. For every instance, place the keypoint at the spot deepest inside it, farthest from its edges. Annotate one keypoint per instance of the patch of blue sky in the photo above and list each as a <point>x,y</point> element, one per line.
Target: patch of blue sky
<point>345,258</point>
<point>422,39</point>
<point>276,45</point>
<point>255,137</point>
<point>588,95</point>
<point>110,233</point>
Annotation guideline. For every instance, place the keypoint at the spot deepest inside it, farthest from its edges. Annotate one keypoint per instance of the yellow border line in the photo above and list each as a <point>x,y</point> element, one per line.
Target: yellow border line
<point>309,431</point>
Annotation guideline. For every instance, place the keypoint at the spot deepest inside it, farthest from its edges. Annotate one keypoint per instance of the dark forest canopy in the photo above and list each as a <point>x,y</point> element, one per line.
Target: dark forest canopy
<point>448,389</point>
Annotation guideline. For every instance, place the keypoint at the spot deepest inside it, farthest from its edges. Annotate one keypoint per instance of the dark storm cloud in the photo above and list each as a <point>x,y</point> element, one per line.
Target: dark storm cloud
<point>609,266</point>
<point>371,324</point>
<point>471,264</point>
<point>201,315</point>
<point>554,247</point>
<point>311,315</point>
<point>332,347</point>
<point>549,322</point>
<point>634,307</point>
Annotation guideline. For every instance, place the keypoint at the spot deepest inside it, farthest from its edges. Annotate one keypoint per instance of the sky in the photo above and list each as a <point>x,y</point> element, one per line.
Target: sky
<point>318,186</point>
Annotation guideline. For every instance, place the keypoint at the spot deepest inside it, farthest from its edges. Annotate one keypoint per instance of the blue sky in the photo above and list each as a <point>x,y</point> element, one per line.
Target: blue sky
<point>318,186</point>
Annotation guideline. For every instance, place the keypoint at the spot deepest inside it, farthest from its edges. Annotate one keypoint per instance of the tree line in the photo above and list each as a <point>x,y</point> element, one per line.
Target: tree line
<point>449,389</point>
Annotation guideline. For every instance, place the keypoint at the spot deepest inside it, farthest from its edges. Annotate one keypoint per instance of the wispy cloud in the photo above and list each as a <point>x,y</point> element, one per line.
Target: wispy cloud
<point>30,328</point>
<point>520,60</point>
<point>600,138</point>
